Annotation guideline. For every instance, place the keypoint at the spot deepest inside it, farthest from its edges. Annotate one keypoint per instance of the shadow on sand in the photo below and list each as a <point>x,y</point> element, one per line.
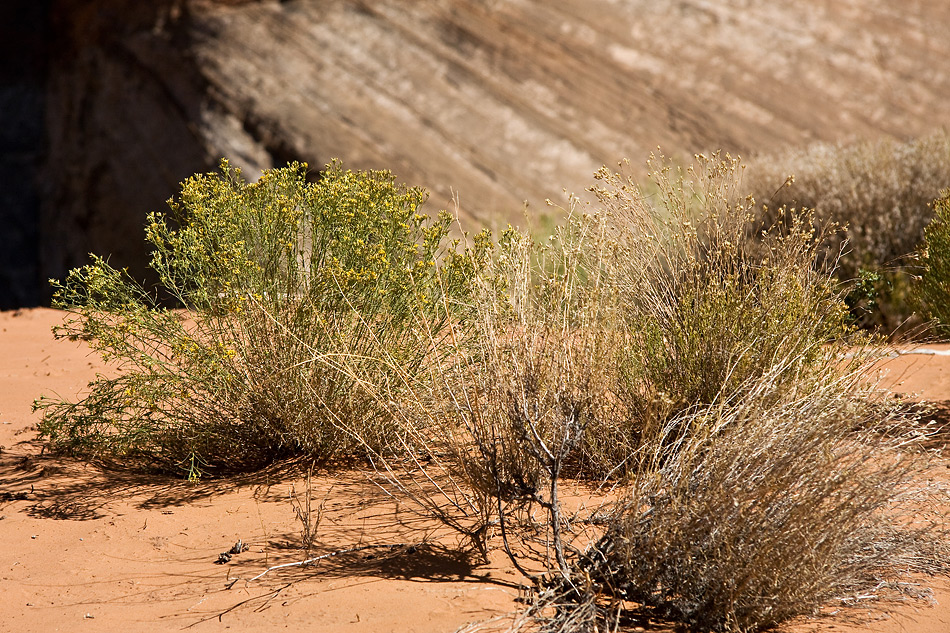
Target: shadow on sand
<point>58,487</point>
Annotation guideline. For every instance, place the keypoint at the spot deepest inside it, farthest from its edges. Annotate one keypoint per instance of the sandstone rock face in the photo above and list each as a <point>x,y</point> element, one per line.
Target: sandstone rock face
<point>122,112</point>
<point>495,102</point>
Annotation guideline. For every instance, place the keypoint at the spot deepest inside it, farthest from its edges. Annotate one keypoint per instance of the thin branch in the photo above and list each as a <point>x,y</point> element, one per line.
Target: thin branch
<point>339,552</point>
<point>270,596</point>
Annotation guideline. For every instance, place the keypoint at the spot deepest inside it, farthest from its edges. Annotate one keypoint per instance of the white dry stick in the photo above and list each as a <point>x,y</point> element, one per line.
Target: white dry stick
<point>310,561</point>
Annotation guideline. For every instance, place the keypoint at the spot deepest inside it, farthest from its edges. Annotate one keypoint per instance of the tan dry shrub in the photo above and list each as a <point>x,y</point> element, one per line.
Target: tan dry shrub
<point>583,346</point>
<point>775,506</point>
<point>661,350</point>
<point>882,192</point>
<point>707,302</point>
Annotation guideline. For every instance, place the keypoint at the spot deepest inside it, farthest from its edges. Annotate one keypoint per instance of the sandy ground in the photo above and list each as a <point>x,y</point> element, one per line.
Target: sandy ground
<point>86,550</point>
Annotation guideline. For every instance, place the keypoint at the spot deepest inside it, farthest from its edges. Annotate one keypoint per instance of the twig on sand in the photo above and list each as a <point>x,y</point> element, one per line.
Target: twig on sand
<point>270,595</point>
<point>338,552</point>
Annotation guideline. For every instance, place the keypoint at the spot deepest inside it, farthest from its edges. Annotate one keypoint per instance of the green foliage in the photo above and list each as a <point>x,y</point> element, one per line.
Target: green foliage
<point>935,256</point>
<point>284,285</point>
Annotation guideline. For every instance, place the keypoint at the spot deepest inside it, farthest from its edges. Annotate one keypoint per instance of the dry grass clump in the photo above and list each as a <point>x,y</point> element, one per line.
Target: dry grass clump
<point>774,505</point>
<point>882,192</point>
<point>708,303</point>
<point>491,430</point>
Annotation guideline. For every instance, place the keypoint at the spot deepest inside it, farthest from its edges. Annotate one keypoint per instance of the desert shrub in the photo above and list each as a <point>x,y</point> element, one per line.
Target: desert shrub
<point>709,304</point>
<point>498,423</point>
<point>588,342</point>
<point>757,439</point>
<point>640,308</point>
<point>685,378</point>
<point>879,190</point>
<point>277,281</point>
<point>777,504</point>
<point>935,256</point>
<point>628,315</point>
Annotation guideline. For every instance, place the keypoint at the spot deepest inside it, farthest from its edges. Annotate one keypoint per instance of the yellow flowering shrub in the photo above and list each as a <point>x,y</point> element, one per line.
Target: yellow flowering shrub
<point>282,308</point>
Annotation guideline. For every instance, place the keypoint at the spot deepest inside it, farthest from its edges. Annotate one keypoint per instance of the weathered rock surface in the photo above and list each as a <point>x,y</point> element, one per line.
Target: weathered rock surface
<point>497,101</point>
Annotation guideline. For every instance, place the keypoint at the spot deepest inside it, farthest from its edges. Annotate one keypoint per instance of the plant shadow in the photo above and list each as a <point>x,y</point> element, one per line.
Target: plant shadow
<point>422,562</point>
<point>65,488</point>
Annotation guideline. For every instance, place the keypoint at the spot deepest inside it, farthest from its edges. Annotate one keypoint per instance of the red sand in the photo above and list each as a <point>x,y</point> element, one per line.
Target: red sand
<point>87,550</point>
